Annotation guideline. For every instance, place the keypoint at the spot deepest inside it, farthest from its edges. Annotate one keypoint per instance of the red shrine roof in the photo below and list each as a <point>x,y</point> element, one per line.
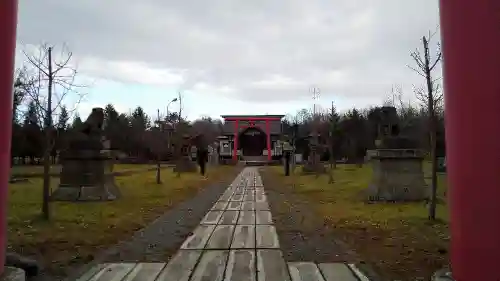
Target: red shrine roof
<point>251,116</point>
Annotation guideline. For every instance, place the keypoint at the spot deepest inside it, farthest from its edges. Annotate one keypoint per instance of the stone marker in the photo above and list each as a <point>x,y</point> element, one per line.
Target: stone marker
<point>87,165</point>
<point>184,164</point>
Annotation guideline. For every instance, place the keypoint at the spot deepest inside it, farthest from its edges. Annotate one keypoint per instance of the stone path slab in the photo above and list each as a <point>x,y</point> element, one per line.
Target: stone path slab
<point>199,238</point>
<point>180,266</point>
<point>241,266</point>
<point>305,271</point>
<point>271,266</point>
<point>236,240</point>
<point>212,217</point>
<point>220,206</point>
<point>145,272</point>
<point>244,237</point>
<point>229,217</point>
<point>221,237</point>
<point>246,217</point>
<point>211,266</point>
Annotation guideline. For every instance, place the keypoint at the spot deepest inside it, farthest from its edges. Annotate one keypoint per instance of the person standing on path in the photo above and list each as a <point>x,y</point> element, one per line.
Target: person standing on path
<point>201,154</point>
<point>202,158</point>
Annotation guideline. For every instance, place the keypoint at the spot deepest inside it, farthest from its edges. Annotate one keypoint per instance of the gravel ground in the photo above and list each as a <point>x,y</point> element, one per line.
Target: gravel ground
<point>162,238</point>
<point>303,235</point>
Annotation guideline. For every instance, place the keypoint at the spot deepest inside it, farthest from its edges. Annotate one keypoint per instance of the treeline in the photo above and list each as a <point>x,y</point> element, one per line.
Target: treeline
<point>349,134</point>
<point>138,135</point>
<point>133,135</point>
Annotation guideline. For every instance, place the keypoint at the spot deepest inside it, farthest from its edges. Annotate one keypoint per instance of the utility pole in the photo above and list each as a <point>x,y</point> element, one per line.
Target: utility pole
<point>179,144</point>
<point>48,141</point>
<point>158,160</point>
<point>316,93</point>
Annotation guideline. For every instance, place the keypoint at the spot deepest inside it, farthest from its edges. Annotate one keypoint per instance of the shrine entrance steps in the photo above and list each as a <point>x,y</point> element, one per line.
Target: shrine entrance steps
<point>236,240</point>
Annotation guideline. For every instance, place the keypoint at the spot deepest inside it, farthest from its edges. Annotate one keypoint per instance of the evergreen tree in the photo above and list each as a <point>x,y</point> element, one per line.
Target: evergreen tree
<point>62,123</point>
<point>77,121</point>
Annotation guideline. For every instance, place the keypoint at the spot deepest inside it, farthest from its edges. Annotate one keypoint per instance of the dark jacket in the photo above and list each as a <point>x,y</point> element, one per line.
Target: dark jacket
<point>202,155</point>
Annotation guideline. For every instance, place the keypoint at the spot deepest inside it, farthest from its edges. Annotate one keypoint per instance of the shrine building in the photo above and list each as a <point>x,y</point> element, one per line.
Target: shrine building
<point>251,138</point>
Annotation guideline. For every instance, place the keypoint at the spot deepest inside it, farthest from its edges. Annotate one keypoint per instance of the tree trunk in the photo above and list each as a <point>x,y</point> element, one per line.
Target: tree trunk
<point>433,203</point>
<point>432,130</point>
<point>158,173</point>
<point>332,164</point>
<point>48,144</point>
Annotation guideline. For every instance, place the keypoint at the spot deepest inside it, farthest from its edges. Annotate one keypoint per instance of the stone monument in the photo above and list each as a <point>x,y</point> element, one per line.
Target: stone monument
<point>87,165</point>
<point>396,164</point>
<point>313,164</point>
<point>213,154</point>
<point>184,164</point>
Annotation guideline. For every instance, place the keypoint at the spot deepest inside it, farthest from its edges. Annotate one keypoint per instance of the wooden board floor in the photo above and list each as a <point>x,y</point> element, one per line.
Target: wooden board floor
<point>236,240</point>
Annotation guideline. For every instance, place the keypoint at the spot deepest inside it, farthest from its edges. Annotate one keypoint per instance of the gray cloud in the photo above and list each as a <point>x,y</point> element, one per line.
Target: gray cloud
<point>258,49</point>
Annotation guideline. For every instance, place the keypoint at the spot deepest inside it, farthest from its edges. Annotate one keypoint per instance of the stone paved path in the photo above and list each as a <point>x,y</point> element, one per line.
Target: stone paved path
<point>236,240</point>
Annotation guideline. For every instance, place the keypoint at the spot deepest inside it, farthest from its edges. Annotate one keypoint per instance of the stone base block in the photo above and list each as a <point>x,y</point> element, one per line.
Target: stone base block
<point>397,179</point>
<point>185,165</point>
<point>13,274</point>
<point>310,168</point>
<point>443,275</point>
<point>106,192</point>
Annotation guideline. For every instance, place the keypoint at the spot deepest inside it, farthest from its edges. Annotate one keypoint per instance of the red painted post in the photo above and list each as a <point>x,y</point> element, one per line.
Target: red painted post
<point>235,140</point>
<point>268,141</point>
<point>8,23</point>
<point>471,44</point>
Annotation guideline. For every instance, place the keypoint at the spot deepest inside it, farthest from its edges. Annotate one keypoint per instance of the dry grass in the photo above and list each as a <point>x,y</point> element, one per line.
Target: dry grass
<point>396,239</point>
<point>77,231</point>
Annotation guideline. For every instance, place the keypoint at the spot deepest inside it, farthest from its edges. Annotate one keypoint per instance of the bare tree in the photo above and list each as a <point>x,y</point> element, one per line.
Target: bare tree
<point>432,99</point>
<point>51,82</point>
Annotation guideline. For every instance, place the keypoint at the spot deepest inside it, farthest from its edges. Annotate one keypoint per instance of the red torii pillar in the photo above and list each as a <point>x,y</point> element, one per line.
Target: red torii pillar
<point>8,23</point>
<point>471,56</point>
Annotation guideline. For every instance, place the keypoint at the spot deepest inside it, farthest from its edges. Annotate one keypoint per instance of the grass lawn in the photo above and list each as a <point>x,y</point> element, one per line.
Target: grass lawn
<point>77,231</point>
<point>37,170</point>
<point>396,239</point>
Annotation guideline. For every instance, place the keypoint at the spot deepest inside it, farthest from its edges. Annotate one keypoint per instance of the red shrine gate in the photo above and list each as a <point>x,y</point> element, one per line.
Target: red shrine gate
<point>235,125</point>
<point>471,40</point>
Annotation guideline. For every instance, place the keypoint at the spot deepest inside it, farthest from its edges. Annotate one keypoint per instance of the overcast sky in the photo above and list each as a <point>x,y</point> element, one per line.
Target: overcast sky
<point>234,56</point>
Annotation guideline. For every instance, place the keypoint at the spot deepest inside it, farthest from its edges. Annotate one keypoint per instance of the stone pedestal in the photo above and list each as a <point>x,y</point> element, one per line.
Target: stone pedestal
<point>397,176</point>
<point>313,164</point>
<point>86,175</point>
<point>185,165</point>
<point>13,274</point>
